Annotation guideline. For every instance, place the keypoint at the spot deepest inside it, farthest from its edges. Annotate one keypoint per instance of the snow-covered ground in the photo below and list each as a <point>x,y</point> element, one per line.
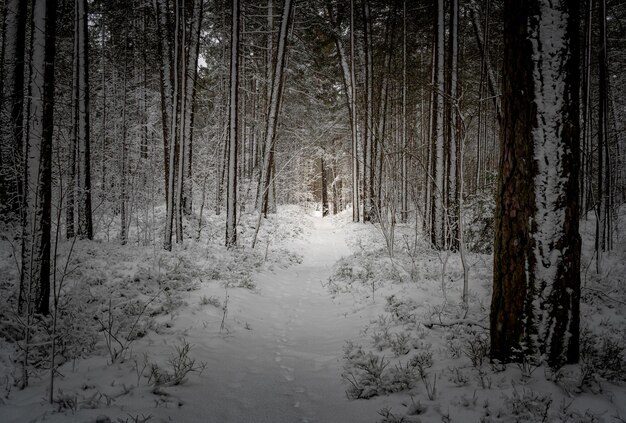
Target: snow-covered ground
<point>318,324</point>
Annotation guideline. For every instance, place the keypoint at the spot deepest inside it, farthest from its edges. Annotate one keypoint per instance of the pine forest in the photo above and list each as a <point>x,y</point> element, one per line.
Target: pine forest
<point>325,211</point>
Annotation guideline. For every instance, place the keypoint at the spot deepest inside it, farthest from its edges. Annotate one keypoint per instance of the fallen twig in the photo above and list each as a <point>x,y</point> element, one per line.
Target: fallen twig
<point>454,323</point>
<point>597,291</point>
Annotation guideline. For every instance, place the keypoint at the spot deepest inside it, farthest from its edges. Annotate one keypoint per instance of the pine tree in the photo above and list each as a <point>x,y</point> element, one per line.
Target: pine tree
<point>34,294</point>
<point>536,291</point>
<point>233,133</point>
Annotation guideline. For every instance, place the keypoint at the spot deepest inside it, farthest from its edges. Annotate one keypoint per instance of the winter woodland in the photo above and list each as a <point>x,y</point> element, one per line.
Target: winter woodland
<point>312,211</point>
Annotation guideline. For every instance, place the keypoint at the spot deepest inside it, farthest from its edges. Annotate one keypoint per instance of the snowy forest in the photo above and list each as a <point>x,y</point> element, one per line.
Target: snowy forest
<point>312,211</point>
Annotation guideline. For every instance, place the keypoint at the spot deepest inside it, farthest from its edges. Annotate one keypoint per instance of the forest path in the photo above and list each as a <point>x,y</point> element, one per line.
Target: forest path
<point>287,366</point>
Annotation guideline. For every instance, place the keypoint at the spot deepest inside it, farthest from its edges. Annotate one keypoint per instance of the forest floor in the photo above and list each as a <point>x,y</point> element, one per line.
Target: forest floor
<point>323,322</point>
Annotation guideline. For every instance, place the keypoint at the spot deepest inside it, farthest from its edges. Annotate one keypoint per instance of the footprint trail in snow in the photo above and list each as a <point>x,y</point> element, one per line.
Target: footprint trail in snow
<point>287,367</point>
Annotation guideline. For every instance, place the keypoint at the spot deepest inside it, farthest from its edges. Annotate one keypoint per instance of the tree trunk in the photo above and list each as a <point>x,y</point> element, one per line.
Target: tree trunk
<point>324,188</point>
<point>124,150</point>
<point>404,175</point>
<point>354,125</point>
<point>233,134</point>
<point>172,150</point>
<point>85,225</point>
<point>34,293</point>
<point>602,216</point>
<point>585,159</point>
<point>181,119</point>
<point>378,155</point>
<point>350,90</point>
<point>452,191</point>
<point>165,53</point>
<point>437,191</point>
<point>190,95</point>
<point>12,106</point>
<point>273,108</point>
<point>368,148</point>
<point>536,292</point>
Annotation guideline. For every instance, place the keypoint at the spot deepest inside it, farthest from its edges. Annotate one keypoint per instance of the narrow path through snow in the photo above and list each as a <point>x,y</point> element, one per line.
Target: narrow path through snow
<point>287,367</point>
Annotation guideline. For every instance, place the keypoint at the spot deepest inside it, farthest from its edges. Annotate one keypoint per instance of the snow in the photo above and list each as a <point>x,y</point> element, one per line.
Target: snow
<point>550,56</point>
<point>313,284</point>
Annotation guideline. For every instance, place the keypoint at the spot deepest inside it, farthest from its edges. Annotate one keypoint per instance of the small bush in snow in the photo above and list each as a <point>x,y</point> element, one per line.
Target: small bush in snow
<point>477,349</point>
<point>135,419</point>
<point>381,340</point>
<point>402,377</point>
<point>402,311</point>
<point>181,364</point>
<point>527,406</point>
<point>422,361</point>
<point>400,344</point>
<point>458,377</point>
<point>566,414</point>
<point>603,356</point>
<point>65,401</point>
<point>365,374</point>
<point>212,300</point>
<point>389,417</point>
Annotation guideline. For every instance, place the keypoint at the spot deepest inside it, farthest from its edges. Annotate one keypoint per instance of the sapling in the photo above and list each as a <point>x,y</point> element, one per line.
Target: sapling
<point>56,291</point>
<point>225,311</point>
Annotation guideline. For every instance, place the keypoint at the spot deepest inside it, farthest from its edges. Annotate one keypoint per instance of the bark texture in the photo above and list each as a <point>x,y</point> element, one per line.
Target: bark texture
<point>536,292</point>
<point>34,294</point>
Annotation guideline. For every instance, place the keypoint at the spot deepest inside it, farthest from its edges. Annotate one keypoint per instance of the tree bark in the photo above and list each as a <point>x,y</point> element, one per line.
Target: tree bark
<point>324,188</point>
<point>536,292</point>
<point>190,94</point>
<point>233,133</point>
<point>437,190</point>
<point>165,53</point>
<point>274,107</point>
<point>404,213</point>
<point>12,106</point>
<point>34,293</point>
<point>452,191</point>
<point>85,225</point>
<point>368,147</point>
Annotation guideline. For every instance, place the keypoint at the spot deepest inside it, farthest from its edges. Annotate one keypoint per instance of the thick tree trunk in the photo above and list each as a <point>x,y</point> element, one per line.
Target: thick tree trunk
<point>34,293</point>
<point>535,302</point>
<point>12,106</point>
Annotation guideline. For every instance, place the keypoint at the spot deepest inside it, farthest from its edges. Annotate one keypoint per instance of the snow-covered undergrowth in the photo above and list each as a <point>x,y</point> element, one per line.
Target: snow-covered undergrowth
<point>113,302</point>
<point>321,322</point>
<point>431,353</point>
